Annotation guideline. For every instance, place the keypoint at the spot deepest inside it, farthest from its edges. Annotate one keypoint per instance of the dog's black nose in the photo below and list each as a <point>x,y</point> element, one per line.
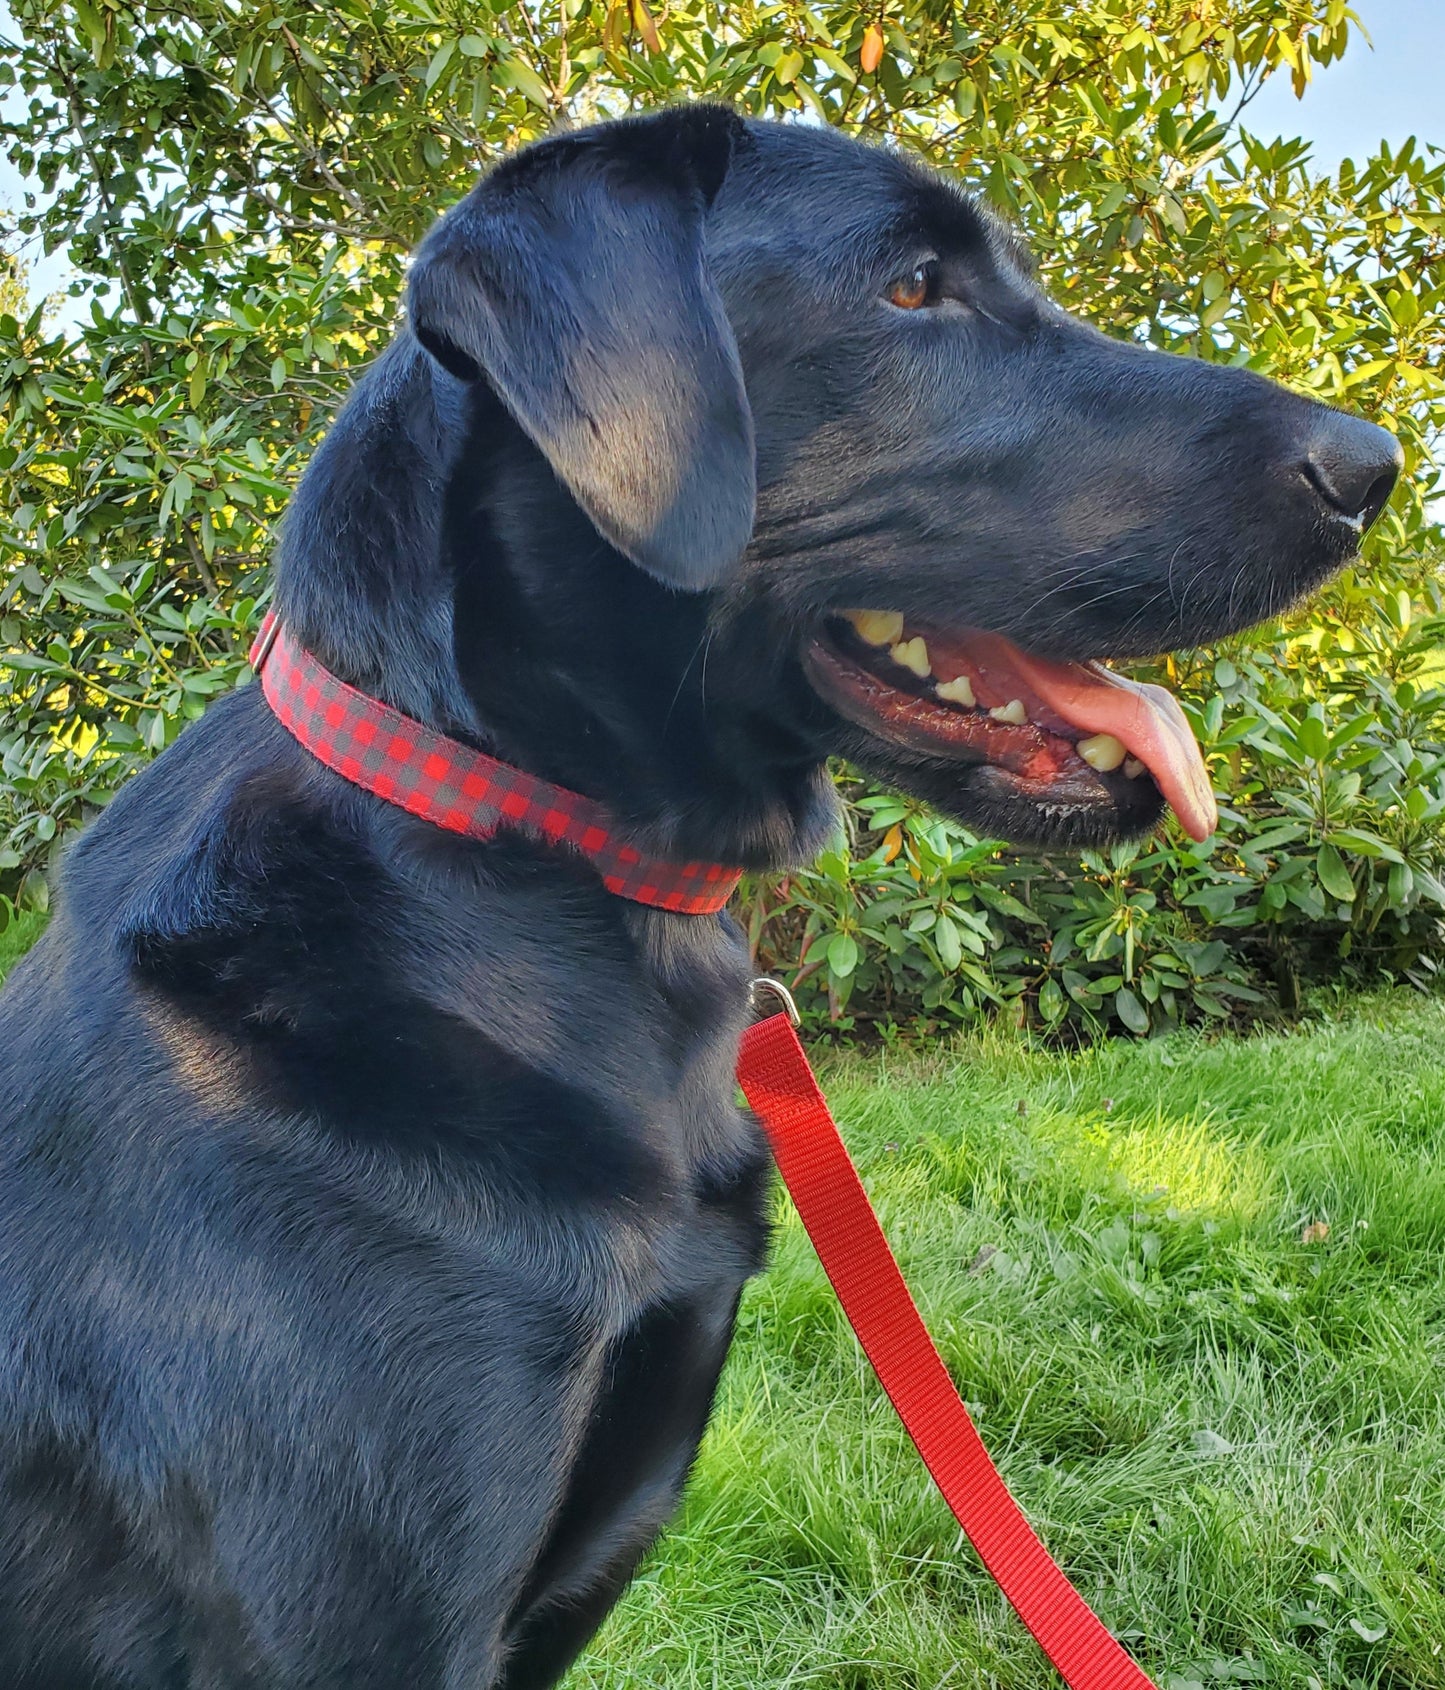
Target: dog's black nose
<point>1353,466</point>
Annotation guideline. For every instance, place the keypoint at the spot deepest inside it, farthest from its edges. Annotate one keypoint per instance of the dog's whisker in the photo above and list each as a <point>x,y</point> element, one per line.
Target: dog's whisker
<point>704,639</point>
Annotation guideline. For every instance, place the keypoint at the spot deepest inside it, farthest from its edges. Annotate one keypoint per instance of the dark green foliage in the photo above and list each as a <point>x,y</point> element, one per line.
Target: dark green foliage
<point>236,186</point>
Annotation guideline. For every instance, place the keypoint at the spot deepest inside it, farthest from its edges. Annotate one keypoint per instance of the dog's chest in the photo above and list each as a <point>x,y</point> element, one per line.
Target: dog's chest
<point>563,1110</point>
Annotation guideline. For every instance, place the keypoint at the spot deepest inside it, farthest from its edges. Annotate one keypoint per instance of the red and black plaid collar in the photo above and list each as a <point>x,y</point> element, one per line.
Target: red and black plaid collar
<point>445,782</point>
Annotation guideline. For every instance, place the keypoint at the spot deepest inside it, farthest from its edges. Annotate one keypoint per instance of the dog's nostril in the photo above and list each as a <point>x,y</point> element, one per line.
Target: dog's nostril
<point>1353,466</point>
<point>1378,495</point>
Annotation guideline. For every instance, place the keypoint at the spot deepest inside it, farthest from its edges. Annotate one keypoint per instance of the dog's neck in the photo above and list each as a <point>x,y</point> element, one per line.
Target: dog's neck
<point>431,559</point>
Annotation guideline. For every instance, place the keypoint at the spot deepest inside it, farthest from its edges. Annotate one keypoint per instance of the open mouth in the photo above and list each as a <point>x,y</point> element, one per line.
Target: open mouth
<point>1065,736</point>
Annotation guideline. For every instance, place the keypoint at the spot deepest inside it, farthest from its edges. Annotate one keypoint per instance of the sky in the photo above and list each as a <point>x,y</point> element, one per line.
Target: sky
<point>1387,91</point>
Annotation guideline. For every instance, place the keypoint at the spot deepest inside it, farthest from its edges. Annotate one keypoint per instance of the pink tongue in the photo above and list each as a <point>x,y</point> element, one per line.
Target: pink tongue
<point>1146,719</point>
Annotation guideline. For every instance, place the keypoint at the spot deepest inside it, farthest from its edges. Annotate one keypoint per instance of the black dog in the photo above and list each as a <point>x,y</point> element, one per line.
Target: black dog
<point>373,1205</point>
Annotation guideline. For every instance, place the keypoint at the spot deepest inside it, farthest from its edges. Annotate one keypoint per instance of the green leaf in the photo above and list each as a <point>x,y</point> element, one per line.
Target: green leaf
<point>834,61</point>
<point>1313,736</point>
<point>1006,904</point>
<point>525,80</point>
<point>1402,883</point>
<point>439,62</point>
<point>34,892</point>
<point>842,954</point>
<point>1369,1632</point>
<point>82,593</point>
<point>1130,1011</point>
<point>1334,876</point>
<point>1364,844</point>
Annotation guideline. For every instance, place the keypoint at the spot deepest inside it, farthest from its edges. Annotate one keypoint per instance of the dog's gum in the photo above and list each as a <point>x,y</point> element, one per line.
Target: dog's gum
<point>926,724</point>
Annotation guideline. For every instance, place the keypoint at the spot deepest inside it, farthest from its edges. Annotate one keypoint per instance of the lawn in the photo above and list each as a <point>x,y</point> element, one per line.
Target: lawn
<point>1195,1293</point>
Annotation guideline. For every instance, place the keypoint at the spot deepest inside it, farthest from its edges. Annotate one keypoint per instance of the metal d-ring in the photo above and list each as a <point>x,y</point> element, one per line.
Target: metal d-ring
<point>765,984</point>
<point>262,649</point>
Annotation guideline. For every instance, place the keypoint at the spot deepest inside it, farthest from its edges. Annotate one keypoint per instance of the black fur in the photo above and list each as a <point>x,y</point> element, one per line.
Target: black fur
<point>373,1205</point>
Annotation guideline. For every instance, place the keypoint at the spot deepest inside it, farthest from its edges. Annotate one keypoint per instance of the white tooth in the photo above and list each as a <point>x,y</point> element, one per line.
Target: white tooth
<point>1013,713</point>
<point>1133,768</point>
<point>959,691</point>
<point>878,627</point>
<point>1102,752</point>
<point>911,654</point>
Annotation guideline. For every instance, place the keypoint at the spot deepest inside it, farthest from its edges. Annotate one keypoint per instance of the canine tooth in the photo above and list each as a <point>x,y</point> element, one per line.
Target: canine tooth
<point>878,627</point>
<point>957,691</point>
<point>1133,768</point>
<point>1102,752</point>
<point>1013,713</point>
<point>911,654</point>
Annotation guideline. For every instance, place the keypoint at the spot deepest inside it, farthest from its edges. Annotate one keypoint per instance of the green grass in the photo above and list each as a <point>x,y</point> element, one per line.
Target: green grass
<point>1230,1431</point>
<point>17,935</point>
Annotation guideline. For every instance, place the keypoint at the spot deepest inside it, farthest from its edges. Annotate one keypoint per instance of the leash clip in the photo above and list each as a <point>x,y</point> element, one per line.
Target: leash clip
<point>765,985</point>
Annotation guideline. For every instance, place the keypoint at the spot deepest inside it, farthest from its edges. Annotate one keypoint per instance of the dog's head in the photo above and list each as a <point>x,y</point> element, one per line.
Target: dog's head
<point>776,450</point>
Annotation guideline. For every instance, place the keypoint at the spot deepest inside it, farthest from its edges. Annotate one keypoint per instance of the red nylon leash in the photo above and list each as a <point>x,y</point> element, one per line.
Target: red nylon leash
<point>774,1074</point>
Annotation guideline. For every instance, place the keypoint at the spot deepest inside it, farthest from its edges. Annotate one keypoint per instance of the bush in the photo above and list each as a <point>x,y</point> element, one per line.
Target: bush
<point>236,188</point>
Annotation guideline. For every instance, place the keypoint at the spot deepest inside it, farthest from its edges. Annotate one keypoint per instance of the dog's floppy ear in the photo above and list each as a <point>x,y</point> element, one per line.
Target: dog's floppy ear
<point>573,279</point>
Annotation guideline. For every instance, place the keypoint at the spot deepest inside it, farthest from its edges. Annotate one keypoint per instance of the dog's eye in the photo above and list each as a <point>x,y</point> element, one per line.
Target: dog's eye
<point>917,289</point>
